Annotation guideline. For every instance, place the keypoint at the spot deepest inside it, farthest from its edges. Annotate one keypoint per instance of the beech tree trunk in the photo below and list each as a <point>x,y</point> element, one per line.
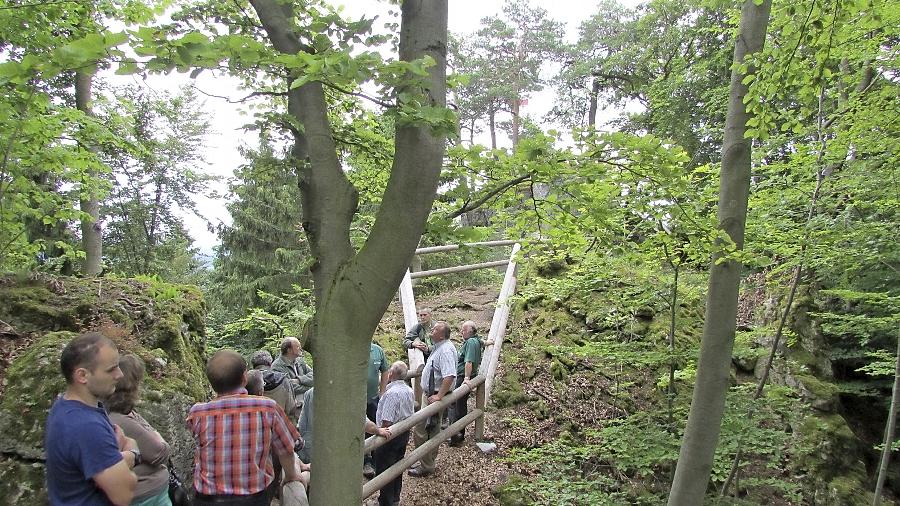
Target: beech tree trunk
<point>701,435</point>
<point>352,289</point>
<point>91,234</point>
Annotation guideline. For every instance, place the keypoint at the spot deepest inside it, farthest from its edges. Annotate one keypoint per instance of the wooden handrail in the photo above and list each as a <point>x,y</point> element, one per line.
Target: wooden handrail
<point>458,268</point>
<point>376,483</point>
<point>373,442</point>
<point>451,247</point>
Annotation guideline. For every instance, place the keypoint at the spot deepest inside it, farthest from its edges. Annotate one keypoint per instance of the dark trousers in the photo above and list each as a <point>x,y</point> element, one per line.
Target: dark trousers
<point>459,409</point>
<point>371,410</point>
<point>386,456</point>
<point>258,499</point>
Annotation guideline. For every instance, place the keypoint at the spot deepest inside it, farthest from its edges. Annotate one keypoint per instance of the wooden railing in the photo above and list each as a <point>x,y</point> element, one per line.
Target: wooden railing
<point>481,383</point>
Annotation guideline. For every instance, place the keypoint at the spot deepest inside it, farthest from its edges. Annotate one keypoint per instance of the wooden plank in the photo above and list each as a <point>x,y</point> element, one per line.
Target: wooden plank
<point>452,247</point>
<point>458,268</point>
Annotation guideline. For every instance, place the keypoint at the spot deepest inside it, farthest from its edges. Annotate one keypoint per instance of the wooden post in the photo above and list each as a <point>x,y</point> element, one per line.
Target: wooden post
<point>479,405</point>
<point>498,324</point>
<point>415,357</point>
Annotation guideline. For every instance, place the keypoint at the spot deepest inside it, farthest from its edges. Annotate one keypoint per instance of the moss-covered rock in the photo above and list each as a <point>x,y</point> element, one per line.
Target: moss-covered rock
<point>161,323</point>
<point>508,391</point>
<point>829,459</point>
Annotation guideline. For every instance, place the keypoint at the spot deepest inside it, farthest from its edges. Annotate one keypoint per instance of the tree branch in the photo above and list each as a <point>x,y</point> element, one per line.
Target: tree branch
<point>470,205</point>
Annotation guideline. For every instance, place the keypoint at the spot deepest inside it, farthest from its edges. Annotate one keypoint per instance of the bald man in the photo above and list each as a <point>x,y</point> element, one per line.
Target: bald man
<point>235,434</point>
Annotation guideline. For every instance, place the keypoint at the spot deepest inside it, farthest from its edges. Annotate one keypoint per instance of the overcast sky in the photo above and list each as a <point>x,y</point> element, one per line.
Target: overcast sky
<point>227,118</point>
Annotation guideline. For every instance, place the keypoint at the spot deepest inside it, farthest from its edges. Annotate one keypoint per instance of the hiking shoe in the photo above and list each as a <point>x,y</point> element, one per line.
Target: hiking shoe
<point>368,471</point>
<point>418,472</point>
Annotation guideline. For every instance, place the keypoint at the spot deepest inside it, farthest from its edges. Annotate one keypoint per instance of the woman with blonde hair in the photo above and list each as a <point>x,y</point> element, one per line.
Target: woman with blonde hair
<point>153,476</point>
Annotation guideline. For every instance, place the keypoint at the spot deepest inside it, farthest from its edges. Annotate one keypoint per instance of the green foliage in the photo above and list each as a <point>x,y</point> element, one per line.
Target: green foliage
<point>158,177</point>
<point>263,250</point>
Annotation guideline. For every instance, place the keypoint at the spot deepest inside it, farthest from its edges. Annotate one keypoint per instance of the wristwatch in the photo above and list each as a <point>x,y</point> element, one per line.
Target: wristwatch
<point>137,457</point>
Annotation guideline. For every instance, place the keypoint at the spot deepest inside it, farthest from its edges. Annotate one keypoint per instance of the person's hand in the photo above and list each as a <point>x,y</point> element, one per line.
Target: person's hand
<point>489,342</point>
<point>121,438</point>
<point>130,444</point>
<point>384,432</point>
<point>419,345</point>
<point>435,398</point>
<point>467,382</point>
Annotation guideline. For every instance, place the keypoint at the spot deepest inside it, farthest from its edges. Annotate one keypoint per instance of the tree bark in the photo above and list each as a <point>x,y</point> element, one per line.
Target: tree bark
<point>492,126</point>
<point>592,106</point>
<point>91,234</point>
<point>352,290</point>
<point>889,429</point>
<point>708,403</point>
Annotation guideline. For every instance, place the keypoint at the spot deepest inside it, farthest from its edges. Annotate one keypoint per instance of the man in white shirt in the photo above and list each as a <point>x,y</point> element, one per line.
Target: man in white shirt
<point>437,380</point>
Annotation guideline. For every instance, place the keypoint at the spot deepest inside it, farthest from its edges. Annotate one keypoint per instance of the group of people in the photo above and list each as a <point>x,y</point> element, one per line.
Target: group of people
<point>252,438</point>
<point>444,370</point>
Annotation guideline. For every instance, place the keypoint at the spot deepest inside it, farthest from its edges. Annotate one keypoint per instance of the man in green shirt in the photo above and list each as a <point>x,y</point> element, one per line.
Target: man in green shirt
<point>419,336</point>
<point>466,368</point>
<point>376,380</point>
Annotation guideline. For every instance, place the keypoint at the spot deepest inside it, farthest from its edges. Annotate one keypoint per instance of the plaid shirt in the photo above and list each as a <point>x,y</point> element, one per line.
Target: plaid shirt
<point>234,434</point>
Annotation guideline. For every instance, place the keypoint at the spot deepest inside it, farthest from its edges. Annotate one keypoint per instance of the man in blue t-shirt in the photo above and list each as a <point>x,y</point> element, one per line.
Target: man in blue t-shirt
<point>89,460</point>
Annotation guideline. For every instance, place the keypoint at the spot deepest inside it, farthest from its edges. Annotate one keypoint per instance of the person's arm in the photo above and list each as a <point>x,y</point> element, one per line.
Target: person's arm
<point>468,372</point>
<point>371,428</point>
<point>446,385</point>
<point>154,449</point>
<point>411,336</point>
<point>117,481</point>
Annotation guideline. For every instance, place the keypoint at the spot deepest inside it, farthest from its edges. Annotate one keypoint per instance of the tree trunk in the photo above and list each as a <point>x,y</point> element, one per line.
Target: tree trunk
<point>492,126</point>
<point>708,403</point>
<point>352,290</point>
<point>91,235</point>
<point>592,107</point>
<point>889,429</point>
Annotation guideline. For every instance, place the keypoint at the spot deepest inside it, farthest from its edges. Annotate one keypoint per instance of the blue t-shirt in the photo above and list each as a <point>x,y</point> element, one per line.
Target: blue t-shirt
<point>80,442</point>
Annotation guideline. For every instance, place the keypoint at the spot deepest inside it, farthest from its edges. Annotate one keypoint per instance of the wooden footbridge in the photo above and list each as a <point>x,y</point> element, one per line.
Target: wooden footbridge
<point>481,383</point>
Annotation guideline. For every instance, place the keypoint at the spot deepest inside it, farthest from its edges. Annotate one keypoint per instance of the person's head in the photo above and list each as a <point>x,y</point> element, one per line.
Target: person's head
<point>127,391</point>
<point>440,332</point>
<point>468,329</point>
<point>290,347</point>
<point>261,359</point>
<point>255,382</point>
<point>398,371</point>
<point>226,371</point>
<point>425,316</point>
<point>91,361</point>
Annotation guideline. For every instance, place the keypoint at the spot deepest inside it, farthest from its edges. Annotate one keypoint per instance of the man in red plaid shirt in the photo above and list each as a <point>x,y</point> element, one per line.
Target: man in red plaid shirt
<point>235,433</point>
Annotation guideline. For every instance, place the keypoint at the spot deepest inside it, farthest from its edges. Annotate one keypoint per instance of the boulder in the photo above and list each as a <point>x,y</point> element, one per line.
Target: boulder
<point>159,322</point>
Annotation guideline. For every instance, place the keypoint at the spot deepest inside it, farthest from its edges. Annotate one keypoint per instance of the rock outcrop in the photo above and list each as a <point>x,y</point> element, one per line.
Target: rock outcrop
<point>159,322</point>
